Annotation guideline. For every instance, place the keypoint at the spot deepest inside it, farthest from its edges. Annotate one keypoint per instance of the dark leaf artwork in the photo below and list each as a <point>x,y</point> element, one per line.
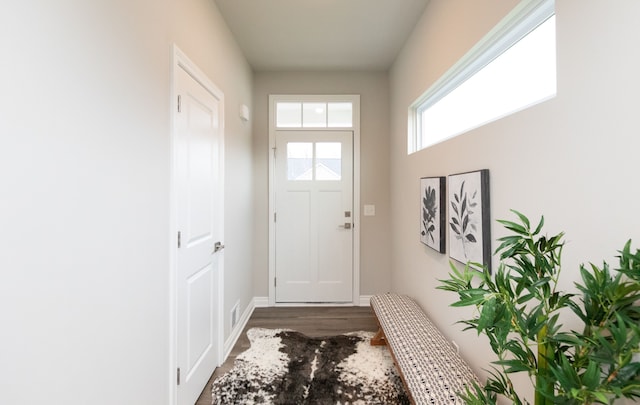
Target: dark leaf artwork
<point>429,208</point>
<point>432,216</point>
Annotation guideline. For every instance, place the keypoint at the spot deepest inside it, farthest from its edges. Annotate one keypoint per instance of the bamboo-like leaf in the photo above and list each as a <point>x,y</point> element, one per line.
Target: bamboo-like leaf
<point>512,226</point>
<point>591,377</point>
<point>470,237</point>
<point>468,302</point>
<point>523,218</point>
<point>526,298</point>
<point>513,366</point>
<point>507,241</point>
<point>487,314</point>
<point>539,227</point>
<point>602,397</point>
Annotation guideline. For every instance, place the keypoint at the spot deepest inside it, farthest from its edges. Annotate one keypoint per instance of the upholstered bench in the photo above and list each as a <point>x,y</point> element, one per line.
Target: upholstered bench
<point>431,369</point>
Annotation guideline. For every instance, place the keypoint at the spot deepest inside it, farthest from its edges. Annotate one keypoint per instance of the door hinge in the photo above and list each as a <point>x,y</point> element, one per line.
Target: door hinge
<point>178,378</point>
<point>179,103</point>
<point>274,217</point>
<point>274,152</point>
<point>179,239</point>
<point>275,281</point>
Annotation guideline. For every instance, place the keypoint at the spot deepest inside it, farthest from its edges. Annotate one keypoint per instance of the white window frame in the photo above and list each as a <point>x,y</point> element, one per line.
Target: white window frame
<point>523,19</point>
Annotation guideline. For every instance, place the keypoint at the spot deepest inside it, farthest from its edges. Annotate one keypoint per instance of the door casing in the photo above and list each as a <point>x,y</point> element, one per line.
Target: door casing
<point>355,100</point>
<point>181,61</point>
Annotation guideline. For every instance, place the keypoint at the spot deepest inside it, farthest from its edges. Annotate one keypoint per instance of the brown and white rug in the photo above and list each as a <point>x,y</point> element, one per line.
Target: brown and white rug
<point>287,367</point>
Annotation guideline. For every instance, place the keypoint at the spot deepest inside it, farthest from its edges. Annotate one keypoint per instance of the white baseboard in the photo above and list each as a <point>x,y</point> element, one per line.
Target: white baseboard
<point>237,330</point>
<point>261,302</point>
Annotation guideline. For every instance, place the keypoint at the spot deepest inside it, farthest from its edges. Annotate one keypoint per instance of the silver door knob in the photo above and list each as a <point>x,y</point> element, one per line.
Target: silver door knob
<point>218,246</point>
<point>347,225</point>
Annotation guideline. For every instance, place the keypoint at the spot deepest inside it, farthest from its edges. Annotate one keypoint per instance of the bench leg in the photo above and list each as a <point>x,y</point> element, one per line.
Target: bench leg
<point>379,339</point>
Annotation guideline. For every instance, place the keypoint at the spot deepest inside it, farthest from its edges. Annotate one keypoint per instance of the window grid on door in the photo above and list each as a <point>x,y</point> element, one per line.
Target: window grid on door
<point>309,161</point>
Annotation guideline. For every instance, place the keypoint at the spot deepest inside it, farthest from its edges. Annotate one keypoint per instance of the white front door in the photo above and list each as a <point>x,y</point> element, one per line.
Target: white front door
<point>199,188</point>
<point>314,216</point>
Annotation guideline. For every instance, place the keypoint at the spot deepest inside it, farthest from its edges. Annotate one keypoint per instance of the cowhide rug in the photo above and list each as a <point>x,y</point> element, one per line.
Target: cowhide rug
<point>287,367</point>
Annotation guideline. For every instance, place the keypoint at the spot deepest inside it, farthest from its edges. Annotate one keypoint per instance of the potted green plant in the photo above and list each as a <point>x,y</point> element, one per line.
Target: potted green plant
<point>519,309</point>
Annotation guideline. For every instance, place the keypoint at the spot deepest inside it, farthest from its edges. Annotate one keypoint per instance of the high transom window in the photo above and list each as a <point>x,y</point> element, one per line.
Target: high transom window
<point>298,114</point>
<point>510,69</point>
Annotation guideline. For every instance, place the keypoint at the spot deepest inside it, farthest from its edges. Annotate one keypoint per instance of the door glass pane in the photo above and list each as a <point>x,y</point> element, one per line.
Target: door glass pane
<point>314,115</point>
<point>328,161</point>
<point>299,161</point>
<point>340,115</point>
<point>289,115</point>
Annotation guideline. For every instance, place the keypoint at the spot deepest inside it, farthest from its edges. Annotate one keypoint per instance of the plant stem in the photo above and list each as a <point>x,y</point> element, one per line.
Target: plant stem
<point>544,390</point>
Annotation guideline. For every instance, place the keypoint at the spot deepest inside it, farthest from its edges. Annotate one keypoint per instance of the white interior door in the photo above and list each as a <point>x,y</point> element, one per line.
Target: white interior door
<point>314,216</point>
<point>199,188</point>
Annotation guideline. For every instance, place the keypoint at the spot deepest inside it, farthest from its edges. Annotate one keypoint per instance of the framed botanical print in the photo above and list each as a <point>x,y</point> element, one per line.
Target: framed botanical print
<point>469,220</point>
<point>432,216</point>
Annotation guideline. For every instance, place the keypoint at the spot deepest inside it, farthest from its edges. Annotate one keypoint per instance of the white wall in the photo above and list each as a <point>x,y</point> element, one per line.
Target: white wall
<point>84,192</point>
<point>200,31</point>
<point>373,88</point>
<point>572,159</point>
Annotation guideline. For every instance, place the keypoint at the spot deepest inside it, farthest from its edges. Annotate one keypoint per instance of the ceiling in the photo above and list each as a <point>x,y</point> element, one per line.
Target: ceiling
<point>278,35</point>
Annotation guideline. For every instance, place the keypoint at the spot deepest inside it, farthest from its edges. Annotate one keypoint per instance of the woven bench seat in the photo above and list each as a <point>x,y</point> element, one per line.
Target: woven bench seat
<point>431,370</point>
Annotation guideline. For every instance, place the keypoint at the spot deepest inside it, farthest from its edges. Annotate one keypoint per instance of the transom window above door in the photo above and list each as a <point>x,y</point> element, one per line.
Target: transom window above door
<point>313,114</point>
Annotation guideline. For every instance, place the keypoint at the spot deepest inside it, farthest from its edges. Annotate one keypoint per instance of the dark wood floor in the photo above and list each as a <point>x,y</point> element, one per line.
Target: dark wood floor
<point>312,321</point>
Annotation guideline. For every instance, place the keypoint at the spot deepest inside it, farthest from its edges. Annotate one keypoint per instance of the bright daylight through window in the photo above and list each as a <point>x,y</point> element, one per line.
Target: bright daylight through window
<point>512,68</point>
<point>314,114</point>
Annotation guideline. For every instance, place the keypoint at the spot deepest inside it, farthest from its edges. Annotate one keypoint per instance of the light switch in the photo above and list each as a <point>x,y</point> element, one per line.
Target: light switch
<point>369,210</point>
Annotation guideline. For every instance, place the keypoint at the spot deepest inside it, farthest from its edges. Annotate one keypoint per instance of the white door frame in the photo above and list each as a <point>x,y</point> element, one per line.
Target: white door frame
<point>181,61</point>
<point>355,100</point>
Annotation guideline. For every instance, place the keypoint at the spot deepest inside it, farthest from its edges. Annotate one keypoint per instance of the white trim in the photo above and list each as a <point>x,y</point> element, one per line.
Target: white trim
<point>181,61</point>
<point>263,302</point>
<point>313,304</point>
<point>524,18</point>
<point>365,300</point>
<point>355,99</point>
<point>237,331</point>
<point>260,302</point>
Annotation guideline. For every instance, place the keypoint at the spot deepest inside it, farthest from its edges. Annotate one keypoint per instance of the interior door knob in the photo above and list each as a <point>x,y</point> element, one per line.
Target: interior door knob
<point>218,246</point>
<point>347,225</point>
